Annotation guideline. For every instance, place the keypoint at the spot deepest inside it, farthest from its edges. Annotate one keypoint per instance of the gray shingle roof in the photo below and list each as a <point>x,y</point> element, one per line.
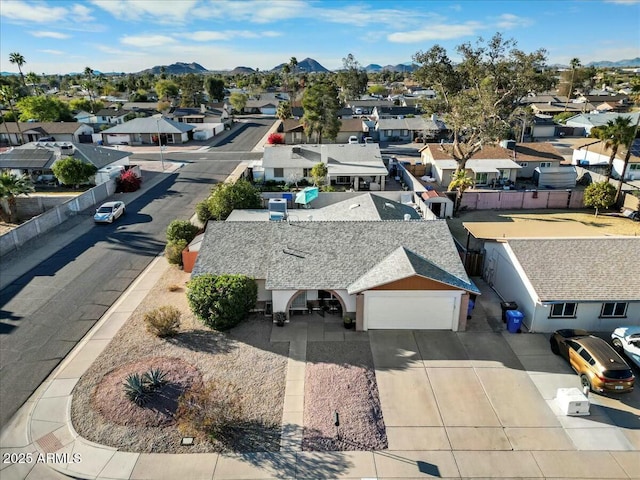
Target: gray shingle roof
<point>585,269</point>
<point>327,255</point>
<point>151,125</point>
<point>99,156</point>
<point>365,207</point>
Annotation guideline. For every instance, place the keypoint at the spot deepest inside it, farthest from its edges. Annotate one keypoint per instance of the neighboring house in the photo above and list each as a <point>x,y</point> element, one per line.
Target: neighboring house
<point>393,111</point>
<point>591,152</point>
<point>293,131</point>
<point>493,165</point>
<point>145,131</point>
<point>140,107</point>
<point>619,102</point>
<point>199,115</point>
<point>364,207</point>
<point>357,166</point>
<point>533,155</point>
<point>388,274</point>
<point>32,131</point>
<point>83,117</point>
<point>590,120</point>
<point>408,129</point>
<point>542,126</point>
<point>35,159</point>
<point>263,107</point>
<point>109,116</point>
<point>365,107</point>
<point>584,283</point>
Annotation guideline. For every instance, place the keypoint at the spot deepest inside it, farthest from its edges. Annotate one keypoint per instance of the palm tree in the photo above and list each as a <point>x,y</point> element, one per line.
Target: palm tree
<point>8,95</point>
<point>88,71</point>
<point>283,111</point>
<point>34,80</point>
<point>11,186</point>
<point>19,60</point>
<point>616,133</point>
<point>574,63</point>
<point>293,64</point>
<point>460,182</point>
<point>627,156</point>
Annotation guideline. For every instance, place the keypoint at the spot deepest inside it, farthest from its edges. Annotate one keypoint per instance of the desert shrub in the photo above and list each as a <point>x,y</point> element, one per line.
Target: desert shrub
<point>203,212</point>
<point>174,288</point>
<point>181,230</point>
<point>275,139</point>
<point>163,321</point>
<point>222,301</point>
<point>154,379</point>
<point>173,251</point>
<point>128,181</point>
<point>210,410</point>
<point>136,389</point>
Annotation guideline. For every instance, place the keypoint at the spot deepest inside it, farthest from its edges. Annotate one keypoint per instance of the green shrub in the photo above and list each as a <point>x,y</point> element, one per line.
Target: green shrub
<point>163,321</point>
<point>173,252</point>
<point>222,301</point>
<point>203,212</point>
<point>136,389</point>
<point>181,230</point>
<point>212,410</point>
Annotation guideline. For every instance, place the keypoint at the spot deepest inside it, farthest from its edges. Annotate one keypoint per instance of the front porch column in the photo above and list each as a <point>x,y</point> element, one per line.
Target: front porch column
<point>356,183</point>
<point>382,179</point>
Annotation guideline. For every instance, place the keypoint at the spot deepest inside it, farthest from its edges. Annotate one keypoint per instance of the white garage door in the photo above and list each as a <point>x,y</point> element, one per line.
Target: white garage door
<point>409,311</point>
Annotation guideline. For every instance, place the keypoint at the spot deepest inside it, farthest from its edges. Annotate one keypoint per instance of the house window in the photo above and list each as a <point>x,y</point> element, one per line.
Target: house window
<point>481,178</point>
<point>523,164</point>
<point>405,133</point>
<point>343,180</point>
<point>563,310</point>
<point>388,133</point>
<point>278,172</point>
<point>545,164</point>
<point>634,166</point>
<point>614,309</point>
<point>306,172</point>
<point>504,174</point>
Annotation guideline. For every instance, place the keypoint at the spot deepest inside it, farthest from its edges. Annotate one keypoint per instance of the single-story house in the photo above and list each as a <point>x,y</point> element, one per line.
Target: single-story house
<point>592,152</point>
<point>491,166</point>
<point>388,274</point>
<point>366,106</point>
<point>590,120</point>
<point>263,107</point>
<point>393,111</point>
<point>293,131</point>
<point>532,155</point>
<point>109,116</point>
<point>141,131</point>
<point>585,283</point>
<point>542,126</point>
<point>360,207</point>
<point>408,129</point>
<point>359,166</point>
<point>12,133</point>
<point>36,159</point>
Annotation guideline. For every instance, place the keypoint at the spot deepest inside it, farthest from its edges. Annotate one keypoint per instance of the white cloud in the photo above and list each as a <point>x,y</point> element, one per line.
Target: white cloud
<point>623,2</point>
<point>142,10</point>
<point>43,34</point>
<point>52,52</point>
<point>508,21</point>
<point>31,12</point>
<point>227,35</point>
<point>147,41</point>
<point>81,13</point>
<point>436,32</point>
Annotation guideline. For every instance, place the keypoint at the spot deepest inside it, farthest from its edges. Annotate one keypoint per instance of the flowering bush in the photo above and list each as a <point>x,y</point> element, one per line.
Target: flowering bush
<point>128,182</point>
<point>275,139</point>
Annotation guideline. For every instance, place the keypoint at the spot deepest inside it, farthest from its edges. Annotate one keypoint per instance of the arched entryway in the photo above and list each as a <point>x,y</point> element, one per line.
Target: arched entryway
<point>319,301</point>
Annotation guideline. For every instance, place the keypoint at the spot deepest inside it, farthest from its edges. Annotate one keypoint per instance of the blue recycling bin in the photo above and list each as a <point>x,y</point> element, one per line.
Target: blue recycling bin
<point>514,320</point>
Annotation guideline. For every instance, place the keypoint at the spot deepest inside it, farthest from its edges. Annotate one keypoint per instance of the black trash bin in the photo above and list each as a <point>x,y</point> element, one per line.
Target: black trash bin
<point>507,306</point>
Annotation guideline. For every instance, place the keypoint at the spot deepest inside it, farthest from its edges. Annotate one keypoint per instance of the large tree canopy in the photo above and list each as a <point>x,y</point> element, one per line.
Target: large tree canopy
<point>477,96</point>
<point>44,109</point>
<point>72,171</point>
<point>215,88</point>
<point>352,79</point>
<point>321,105</point>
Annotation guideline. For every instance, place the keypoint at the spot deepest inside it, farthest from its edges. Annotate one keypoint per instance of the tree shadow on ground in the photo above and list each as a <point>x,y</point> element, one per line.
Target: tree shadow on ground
<point>203,341</point>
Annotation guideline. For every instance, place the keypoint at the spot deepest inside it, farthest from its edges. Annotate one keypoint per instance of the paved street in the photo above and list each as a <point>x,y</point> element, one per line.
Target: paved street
<point>51,307</point>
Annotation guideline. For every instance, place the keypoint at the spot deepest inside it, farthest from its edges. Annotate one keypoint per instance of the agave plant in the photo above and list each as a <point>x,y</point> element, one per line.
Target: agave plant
<point>154,378</point>
<point>136,389</point>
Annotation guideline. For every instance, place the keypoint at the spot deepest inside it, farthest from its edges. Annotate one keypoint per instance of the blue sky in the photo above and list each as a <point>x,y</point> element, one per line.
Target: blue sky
<point>130,35</point>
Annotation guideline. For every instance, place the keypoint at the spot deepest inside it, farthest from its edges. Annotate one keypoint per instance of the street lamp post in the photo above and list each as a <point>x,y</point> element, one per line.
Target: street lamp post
<point>160,143</point>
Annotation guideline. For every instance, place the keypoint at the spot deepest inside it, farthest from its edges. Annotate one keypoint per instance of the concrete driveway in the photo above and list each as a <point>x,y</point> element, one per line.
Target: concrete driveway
<point>489,391</point>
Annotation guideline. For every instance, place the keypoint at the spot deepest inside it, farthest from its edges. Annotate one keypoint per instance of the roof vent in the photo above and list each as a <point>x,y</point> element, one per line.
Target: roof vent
<point>389,205</point>
<point>353,206</point>
<point>310,217</point>
<point>407,217</point>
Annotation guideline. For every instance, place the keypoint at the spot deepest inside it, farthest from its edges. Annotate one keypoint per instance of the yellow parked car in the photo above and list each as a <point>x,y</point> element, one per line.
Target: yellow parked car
<point>599,365</point>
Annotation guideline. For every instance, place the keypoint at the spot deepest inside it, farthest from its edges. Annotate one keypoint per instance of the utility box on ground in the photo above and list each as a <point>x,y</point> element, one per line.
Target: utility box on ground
<point>572,401</point>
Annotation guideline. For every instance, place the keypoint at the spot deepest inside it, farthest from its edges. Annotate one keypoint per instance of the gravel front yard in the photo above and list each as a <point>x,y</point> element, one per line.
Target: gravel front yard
<point>340,377</point>
<point>243,357</point>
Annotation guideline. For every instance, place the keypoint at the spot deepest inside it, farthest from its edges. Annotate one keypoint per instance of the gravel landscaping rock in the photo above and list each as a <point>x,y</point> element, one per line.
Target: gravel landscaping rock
<point>243,357</point>
<point>340,377</point>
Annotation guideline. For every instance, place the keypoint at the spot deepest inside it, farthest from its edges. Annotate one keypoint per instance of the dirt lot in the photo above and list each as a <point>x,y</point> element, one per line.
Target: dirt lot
<point>603,224</point>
